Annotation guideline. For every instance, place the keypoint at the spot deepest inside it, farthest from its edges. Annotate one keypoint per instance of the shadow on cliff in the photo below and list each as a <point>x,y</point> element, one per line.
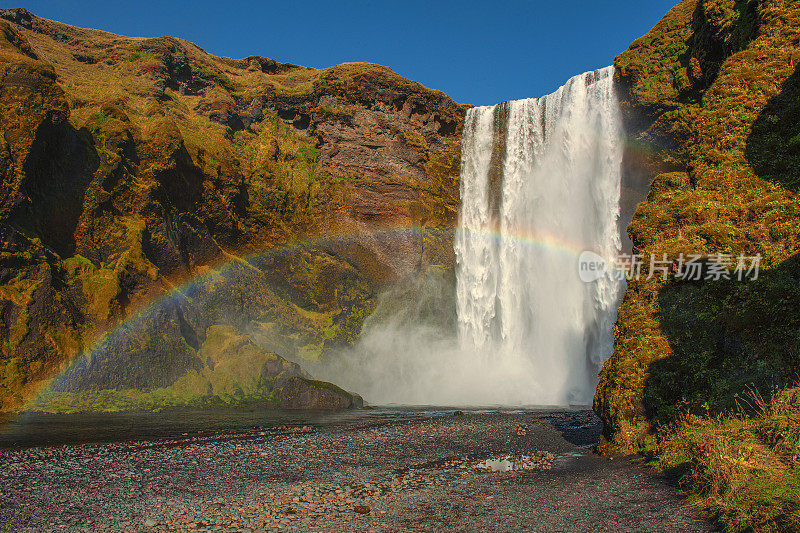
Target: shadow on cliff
<point>715,37</point>
<point>59,169</point>
<point>725,337</point>
<point>773,147</point>
<point>728,336</point>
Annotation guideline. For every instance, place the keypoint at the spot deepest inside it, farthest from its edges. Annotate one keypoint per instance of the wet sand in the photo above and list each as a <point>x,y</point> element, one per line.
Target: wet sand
<point>386,471</point>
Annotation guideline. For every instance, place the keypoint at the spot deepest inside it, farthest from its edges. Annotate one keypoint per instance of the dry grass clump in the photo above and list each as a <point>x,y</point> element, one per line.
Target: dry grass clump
<point>742,468</point>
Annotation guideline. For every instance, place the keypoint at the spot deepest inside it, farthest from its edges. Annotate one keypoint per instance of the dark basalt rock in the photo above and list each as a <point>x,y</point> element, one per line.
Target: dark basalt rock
<point>302,393</point>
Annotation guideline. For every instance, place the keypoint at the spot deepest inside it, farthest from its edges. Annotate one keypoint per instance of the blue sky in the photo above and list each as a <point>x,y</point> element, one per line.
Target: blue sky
<point>478,52</point>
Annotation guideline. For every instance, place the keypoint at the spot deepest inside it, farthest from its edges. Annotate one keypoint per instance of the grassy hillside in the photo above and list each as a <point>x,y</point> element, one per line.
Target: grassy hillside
<point>130,166</point>
<point>711,101</point>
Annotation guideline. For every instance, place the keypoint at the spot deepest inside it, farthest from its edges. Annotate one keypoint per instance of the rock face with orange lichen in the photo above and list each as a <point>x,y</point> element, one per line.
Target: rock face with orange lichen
<point>130,166</point>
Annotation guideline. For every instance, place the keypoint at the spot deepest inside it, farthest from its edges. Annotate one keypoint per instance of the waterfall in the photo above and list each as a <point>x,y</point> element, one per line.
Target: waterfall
<point>540,183</point>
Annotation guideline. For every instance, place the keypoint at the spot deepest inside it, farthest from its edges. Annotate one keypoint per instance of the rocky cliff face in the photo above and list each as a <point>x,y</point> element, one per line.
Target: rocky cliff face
<point>130,166</point>
<point>710,97</point>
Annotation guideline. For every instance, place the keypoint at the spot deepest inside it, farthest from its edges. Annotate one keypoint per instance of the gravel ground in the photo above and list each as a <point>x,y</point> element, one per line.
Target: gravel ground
<point>414,472</point>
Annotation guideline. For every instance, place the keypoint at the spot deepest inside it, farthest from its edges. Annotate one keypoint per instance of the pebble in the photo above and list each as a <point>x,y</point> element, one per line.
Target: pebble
<point>299,479</point>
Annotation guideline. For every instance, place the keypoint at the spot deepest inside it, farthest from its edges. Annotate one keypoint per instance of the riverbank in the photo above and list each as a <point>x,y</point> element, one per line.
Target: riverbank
<point>409,471</point>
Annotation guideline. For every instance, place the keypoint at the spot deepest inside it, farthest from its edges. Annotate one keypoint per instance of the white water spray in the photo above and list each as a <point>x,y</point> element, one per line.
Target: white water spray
<point>540,182</point>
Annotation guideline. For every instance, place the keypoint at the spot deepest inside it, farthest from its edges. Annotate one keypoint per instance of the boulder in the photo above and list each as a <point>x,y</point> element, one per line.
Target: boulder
<point>302,393</point>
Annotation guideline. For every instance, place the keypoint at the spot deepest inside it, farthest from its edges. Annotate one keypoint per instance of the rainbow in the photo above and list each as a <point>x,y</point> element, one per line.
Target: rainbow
<point>138,320</point>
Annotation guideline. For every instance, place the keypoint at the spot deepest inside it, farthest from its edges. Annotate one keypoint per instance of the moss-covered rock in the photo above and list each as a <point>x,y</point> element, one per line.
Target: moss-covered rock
<point>301,393</point>
<point>228,369</point>
<point>706,91</point>
<point>131,166</point>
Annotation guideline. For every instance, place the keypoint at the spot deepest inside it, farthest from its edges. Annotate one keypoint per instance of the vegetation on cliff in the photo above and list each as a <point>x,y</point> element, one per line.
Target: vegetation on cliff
<point>234,371</point>
<point>710,98</point>
<point>132,165</point>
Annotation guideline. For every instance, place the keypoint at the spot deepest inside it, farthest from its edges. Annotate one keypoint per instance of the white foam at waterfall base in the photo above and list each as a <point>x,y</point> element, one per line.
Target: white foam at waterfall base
<point>529,331</point>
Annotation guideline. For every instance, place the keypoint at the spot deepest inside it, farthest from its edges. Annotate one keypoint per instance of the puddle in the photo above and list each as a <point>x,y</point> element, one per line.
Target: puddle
<point>511,463</point>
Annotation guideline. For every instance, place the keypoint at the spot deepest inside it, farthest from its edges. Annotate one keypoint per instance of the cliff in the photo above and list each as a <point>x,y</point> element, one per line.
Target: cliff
<point>131,167</point>
<point>712,107</point>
